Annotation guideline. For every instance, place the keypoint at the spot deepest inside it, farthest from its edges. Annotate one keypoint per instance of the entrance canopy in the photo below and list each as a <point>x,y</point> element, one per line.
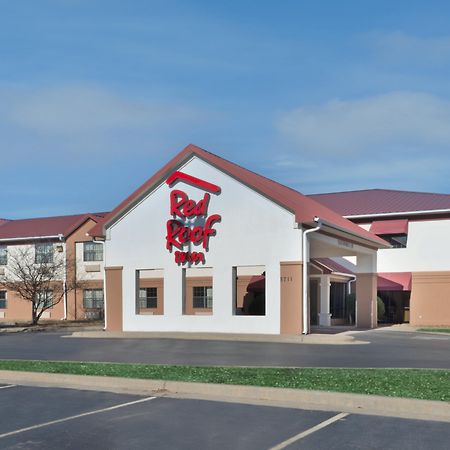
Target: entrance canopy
<point>394,281</point>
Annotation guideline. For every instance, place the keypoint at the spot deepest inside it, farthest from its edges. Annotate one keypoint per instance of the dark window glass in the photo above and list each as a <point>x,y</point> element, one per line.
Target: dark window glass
<point>92,251</point>
<point>44,299</point>
<point>2,299</point>
<point>3,255</point>
<point>396,240</point>
<point>337,300</point>
<point>93,298</point>
<point>43,253</point>
<point>148,297</point>
<point>202,296</point>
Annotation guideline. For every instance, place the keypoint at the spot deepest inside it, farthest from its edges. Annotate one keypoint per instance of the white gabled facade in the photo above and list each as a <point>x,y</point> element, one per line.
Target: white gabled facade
<point>253,231</point>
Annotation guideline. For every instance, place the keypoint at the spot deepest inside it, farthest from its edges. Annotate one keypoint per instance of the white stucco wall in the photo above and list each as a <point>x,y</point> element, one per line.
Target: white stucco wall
<point>83,272</point>
<point>253,231</point>
<point>427,249</point>
<point>20,250</point>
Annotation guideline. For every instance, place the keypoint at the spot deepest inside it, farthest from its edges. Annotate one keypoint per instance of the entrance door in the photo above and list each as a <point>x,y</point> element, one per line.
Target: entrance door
<point>314,301</point>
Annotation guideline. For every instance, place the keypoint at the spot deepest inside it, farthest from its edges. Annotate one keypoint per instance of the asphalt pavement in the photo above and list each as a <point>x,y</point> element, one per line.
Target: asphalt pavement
<point>50,418</point>
<point>385,349</point>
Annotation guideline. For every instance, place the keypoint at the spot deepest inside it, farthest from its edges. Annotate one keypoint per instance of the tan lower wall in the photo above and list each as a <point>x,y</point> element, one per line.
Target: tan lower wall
<point>366,300</point>
<point>190,283</point>
<point>114,298</point>
<point>19,310</point>
<point>75,306</point>
<point>430,299</point>
<point>157,283</point>
<point>291,298</point>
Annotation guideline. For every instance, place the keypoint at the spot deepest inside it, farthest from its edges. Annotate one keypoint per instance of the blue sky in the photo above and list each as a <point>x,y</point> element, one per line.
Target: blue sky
<point>322,96</point>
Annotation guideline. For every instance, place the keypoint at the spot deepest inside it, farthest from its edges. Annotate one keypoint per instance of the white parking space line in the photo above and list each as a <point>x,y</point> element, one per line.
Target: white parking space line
<point>77,416</point>
<point>309,431</point>
<point>8,386</point>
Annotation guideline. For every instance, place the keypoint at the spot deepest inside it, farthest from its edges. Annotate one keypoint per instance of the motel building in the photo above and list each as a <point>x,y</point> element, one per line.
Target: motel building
<point>208,246</point>
<point>49,239</point>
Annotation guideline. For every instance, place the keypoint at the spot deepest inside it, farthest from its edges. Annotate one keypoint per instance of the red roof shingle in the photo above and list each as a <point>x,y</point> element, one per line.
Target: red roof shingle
<point>43,226</point>
<point>304,208</point>
<point>382,201</point>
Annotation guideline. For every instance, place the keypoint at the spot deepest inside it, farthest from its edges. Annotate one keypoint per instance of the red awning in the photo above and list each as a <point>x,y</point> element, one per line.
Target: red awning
<point>394,281</point>
<point>380,227</point>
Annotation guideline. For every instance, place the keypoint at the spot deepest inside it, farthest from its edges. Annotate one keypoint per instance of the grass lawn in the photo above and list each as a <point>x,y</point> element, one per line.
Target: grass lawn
<point>435,329</point>
<point>427,384</point>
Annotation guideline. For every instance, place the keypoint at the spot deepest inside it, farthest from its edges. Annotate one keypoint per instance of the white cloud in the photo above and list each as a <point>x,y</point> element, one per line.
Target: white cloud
<point>398,121</point>
<point>87,109</point>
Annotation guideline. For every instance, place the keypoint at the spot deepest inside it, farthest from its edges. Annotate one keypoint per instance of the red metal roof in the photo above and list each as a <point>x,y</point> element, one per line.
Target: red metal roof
<point>382,201</point>
<point>394,281</point>
<point>389,227</point>
<point>304,208</point>
<point>44,226</point>
<point>332,265</point>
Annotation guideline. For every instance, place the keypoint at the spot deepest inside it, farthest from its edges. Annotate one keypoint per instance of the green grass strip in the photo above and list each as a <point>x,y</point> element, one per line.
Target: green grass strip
<point>427,384</point>
<point>435,330</point>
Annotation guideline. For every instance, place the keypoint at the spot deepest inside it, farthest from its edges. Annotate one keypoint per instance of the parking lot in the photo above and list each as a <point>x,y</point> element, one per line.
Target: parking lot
<point>384,349</point>
<point>54,418</point>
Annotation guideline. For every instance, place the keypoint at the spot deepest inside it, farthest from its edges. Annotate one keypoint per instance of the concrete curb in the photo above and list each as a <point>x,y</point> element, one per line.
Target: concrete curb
<point>292,398</point>
<point>322,339</point>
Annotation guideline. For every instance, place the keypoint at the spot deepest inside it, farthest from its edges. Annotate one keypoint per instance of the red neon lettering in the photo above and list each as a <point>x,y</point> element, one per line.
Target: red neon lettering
<point>182,206</point>
<point>184,257</point>
<point>177,200</point>
<point>179,234</point>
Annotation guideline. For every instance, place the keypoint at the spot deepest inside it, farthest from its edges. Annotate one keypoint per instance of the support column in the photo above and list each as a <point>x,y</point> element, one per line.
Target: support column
<point>291,298</point>
<point>324,314</point>
<point>366,291</point>
<point>113,304</point>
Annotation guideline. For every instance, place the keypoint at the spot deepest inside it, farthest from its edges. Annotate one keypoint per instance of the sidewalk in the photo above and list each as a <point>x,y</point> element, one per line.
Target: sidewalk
<point>323,339</point>
<point>290,398</point>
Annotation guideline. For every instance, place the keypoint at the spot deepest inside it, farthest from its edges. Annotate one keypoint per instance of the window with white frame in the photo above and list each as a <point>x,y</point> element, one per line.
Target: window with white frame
<point>43,253</point>
<point>93,298</point>
<point>92,251</point>
<point>202,297</point>
<point>44,299</point>
<point>148,297</point>
<point>3,255</point>
<point>2,299</point>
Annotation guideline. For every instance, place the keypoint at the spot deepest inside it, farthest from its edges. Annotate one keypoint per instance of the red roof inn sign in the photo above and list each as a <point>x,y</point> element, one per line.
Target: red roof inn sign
<point>190,224</point>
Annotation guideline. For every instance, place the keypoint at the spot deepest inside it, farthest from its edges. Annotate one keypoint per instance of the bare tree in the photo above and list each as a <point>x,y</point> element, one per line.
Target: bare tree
<point>43,279</point>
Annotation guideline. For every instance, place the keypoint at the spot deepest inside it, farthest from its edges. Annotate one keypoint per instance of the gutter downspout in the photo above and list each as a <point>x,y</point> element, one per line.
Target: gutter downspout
<point>305,259</point>
<point>349,291</point>
<point>61,239</point>
<point>104,282</point>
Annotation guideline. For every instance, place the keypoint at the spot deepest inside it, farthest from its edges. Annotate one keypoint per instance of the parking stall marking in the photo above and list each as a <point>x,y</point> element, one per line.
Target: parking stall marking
<point>77,416</point>
<point>309,431</point>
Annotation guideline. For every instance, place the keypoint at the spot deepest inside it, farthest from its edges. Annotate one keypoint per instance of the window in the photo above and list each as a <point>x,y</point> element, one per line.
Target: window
<point>93,298</point>
<point>43,253</point>
<point>148,297</point>
<point>44,299</point>
<point>202,296</point>
<point>92,251</point>
<point>3,255</point>
<point>2,299</point>
<point>396,240</point>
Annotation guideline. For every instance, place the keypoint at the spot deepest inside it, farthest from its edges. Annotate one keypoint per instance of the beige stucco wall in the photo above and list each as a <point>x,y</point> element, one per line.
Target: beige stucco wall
<point>113,276</point>
<point>290,298</point>
<point>430,298</point>
<point>366,300</point>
